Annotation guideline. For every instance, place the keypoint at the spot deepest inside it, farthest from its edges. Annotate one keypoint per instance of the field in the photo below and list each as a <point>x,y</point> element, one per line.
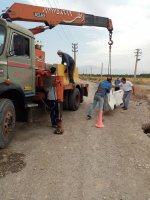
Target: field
<point>95,78</point>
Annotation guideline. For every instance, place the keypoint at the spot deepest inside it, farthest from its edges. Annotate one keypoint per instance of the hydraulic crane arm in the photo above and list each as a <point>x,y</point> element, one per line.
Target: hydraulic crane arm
<point>53,16</point>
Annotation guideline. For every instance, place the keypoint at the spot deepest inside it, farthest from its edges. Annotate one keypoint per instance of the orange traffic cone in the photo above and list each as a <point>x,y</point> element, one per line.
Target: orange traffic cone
<point>100,123</point>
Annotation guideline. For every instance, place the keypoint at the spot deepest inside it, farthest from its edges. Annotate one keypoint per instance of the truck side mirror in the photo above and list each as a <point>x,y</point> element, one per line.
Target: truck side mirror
<point>15,52</point>
<point>10,53</point>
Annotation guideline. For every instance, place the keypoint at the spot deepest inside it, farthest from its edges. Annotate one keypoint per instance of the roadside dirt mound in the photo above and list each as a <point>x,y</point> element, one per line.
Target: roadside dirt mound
<point>146,128</point>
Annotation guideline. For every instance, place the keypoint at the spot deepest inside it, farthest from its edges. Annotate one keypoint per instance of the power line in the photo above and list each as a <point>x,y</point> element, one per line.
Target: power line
<point>58,6</point>
<point>58,3</point>
<point>58,30</point>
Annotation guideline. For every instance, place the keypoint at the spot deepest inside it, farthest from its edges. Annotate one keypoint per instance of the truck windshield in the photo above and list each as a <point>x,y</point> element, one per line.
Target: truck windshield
<point>2,38</point>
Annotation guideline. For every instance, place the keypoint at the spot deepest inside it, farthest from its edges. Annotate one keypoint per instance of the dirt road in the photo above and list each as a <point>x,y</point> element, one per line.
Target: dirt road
<point>85,163</point>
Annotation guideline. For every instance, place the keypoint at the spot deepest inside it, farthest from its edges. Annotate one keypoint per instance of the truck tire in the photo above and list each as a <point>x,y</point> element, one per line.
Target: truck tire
<point>66,100</point>
<point>74,99</point>
<point>7,121</point>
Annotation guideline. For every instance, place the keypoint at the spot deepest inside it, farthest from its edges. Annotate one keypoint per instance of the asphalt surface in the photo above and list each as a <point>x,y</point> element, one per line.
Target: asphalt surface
<point>85,163</point>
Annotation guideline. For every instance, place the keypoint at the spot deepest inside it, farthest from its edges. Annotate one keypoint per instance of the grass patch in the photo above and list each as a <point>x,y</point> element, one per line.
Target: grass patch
<point>141,93</point>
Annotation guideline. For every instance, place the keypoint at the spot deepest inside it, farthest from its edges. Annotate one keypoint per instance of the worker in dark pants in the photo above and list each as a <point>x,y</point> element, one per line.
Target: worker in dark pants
<point>52,98</point>
<point>70,64</point>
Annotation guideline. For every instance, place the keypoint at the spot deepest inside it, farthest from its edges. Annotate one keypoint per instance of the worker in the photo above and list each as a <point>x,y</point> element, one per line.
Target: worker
<point>102,90</point>
<point>52,98</point>
<point>117,82</point>
<point>128,88</point>
<point>70,64</point>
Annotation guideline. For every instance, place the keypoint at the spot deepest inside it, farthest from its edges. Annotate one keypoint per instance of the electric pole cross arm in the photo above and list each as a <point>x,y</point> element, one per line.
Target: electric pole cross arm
<point>54,16</point>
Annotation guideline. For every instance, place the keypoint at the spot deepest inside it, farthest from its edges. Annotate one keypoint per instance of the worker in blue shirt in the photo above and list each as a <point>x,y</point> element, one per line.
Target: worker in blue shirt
<point>117,86</point>
<point>102,90</point>
<point>70,64</point>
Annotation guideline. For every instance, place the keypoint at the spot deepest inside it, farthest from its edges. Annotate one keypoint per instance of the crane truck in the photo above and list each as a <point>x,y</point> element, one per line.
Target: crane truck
<point>24,75</point>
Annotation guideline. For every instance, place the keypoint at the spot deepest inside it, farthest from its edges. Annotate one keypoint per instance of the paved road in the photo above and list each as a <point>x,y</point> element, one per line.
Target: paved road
<point>85,163</point>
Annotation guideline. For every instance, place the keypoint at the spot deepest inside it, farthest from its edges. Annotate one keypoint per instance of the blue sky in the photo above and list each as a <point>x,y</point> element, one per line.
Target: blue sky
<point>131,19</point>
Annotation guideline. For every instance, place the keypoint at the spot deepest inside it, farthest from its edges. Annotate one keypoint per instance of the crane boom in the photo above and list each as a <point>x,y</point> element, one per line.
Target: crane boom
<point>54,16</point>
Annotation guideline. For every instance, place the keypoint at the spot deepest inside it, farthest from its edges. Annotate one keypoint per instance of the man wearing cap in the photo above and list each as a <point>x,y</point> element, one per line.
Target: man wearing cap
<point>66,58</point>
<point>102,90</point>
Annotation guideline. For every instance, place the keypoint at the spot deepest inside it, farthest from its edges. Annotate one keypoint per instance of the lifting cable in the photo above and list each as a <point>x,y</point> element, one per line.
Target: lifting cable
<point>110,43</point>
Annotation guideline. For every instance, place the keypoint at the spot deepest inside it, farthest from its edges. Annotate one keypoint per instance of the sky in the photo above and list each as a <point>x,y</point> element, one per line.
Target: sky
<point>131,20</point>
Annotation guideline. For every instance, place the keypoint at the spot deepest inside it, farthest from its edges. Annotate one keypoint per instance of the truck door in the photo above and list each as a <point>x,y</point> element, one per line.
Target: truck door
<point>20,63</point>
<point>3,63</point>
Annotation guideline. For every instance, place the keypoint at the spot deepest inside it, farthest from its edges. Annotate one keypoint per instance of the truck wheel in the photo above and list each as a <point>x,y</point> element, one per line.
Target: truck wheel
<point>7,121</point>
<point>66,100</point>
<point>74,99</point>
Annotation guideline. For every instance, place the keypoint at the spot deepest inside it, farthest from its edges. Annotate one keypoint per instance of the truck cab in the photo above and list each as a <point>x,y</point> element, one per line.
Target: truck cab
<point>17,76</point>
<point>17,59</point>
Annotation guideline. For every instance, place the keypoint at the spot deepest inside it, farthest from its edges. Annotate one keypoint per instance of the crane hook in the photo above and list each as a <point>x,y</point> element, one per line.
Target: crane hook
<point>110,43</point>
<point>110,38</point>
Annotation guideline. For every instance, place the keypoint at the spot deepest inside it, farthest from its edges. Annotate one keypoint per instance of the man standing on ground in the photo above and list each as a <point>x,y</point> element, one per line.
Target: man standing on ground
<point>69,62</point>
<point>102,90</point>
<point>52,98</point>
<point>128,88</point>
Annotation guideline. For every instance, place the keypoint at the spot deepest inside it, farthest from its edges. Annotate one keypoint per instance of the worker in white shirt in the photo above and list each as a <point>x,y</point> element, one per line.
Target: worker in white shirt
<point>128,89</point>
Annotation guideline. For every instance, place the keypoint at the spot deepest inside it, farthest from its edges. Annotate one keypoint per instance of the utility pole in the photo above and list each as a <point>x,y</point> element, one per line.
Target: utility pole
<point>138,53</point>
<point>101,70</point>
<point>91,71</point>
<point>75,50</point>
